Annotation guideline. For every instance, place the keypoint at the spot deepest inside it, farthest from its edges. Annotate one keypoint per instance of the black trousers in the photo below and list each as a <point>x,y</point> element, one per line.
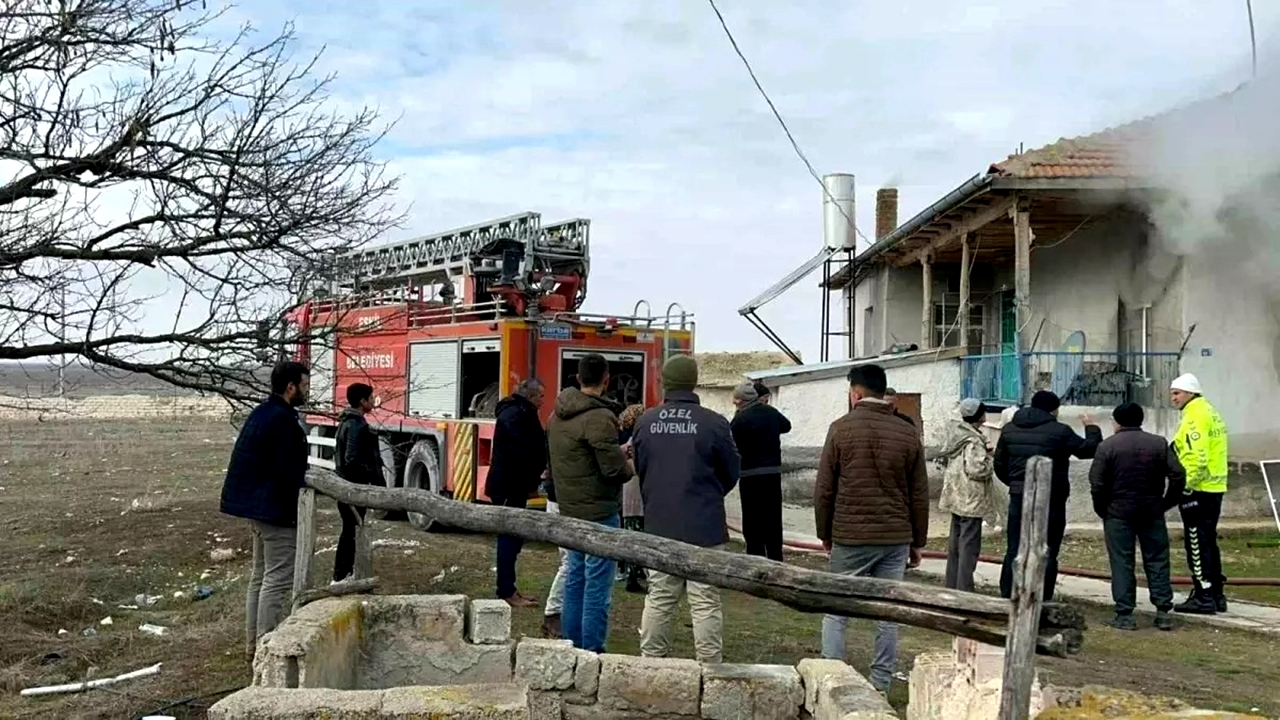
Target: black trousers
<point>1013,534</point>
<point>632,572</point>
<point>1152,536</point>
<point>344,559</point>
<point>509,547</point>
<point>1200,512</point>
<point>761,498</point>
<point>962,552</point>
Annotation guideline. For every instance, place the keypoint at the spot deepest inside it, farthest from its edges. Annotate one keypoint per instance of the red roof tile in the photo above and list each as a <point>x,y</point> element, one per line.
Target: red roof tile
<point>1100,155</point>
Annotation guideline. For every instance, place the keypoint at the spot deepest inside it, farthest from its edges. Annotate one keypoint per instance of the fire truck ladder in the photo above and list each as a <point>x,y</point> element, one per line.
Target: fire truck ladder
<point>435,258</point>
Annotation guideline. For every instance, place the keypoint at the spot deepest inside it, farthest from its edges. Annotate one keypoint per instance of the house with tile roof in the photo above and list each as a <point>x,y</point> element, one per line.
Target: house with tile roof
<point>1048,271</point>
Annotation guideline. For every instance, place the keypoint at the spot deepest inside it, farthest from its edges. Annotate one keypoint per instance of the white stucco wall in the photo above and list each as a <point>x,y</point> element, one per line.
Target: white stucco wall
<point>719,399</point>
<point>1235,352</point>
<point>1077,283</point>
<point>868,336</point>
<point>903,292</point>
<point>811,406</point>
<point>939,386</point>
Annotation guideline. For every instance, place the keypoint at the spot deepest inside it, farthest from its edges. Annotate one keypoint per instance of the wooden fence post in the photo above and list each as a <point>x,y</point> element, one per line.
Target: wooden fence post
<point>306,544</point>
<point>1028,583</point>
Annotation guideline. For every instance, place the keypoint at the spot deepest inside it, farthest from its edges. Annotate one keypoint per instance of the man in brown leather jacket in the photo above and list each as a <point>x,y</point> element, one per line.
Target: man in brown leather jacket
<point>871,505</point>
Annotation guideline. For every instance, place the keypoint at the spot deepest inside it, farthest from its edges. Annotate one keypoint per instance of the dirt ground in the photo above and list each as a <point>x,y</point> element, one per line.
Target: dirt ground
<point>95,514</point>
<point>1245,554</point>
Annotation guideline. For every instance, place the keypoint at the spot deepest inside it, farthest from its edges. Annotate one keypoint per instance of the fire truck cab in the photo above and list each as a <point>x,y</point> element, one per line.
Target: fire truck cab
<point>444,326</point>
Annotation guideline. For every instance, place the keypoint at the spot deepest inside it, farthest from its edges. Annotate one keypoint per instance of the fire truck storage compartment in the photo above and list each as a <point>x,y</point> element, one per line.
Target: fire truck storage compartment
<point>433,379</point>
<point>626,373</point>
<point>481,373</point>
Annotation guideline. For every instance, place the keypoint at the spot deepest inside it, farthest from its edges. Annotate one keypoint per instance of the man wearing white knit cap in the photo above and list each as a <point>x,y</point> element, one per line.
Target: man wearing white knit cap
<point>1201,445</point>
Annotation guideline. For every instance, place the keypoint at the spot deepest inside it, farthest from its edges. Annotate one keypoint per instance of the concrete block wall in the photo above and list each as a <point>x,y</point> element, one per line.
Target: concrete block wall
<point>965,684</point>
<point>449,658</point>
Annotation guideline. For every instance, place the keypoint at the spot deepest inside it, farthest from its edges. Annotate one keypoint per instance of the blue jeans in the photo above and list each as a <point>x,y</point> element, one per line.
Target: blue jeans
<point>887,562</point>
<point>588,593</point>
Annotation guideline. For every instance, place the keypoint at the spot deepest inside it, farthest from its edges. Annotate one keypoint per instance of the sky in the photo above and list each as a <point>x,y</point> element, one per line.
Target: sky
<point>640,117</point>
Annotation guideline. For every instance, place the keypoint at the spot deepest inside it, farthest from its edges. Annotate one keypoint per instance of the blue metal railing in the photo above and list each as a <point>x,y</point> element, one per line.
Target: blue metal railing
<point>1088,378</point>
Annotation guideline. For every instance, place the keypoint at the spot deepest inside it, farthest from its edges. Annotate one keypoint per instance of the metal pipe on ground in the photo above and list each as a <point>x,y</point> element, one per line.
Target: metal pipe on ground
<point>1062,569</point>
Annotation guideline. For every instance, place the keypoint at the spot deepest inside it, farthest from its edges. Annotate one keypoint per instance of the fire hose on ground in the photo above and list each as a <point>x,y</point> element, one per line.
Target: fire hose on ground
<point>1062,570</point>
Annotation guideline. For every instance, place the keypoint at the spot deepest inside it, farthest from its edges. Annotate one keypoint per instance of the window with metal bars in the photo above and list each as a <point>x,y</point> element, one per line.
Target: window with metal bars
<point>946,329</point>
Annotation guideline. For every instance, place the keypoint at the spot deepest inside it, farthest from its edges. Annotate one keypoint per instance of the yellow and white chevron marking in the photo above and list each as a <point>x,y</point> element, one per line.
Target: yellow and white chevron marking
<point>463,449</point>
<point>1197,568</point>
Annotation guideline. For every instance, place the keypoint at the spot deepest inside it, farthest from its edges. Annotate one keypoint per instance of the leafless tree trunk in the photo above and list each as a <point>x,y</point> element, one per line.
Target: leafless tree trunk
<point>167,197</point>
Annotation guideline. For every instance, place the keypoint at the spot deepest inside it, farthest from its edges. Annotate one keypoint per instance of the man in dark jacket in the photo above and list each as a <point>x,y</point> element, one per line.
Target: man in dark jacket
<point>515,470</point>
<point>1135,479</point>
<point>589,469</point>
<point>359,460</point>
<point>267,469</point>
<point>871,506</point>
<point>687,463</point>
<point>757,430</point>
<point>1035,431</point>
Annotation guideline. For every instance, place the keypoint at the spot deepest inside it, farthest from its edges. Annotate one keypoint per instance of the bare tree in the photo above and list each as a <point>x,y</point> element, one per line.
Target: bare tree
<point>166,198</point>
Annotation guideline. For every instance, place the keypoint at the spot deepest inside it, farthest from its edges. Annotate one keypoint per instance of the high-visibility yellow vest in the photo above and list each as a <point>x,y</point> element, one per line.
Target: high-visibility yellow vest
<point>1201,445</point>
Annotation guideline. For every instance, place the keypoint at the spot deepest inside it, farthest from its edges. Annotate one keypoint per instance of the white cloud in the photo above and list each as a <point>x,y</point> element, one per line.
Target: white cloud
<point>640,117</point>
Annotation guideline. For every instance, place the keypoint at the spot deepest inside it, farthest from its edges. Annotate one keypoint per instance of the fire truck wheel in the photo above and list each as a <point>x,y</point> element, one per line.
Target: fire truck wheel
<point>422,471</point>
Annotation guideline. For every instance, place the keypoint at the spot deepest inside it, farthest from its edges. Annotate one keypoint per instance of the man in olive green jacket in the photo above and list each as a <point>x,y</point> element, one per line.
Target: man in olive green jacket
<point>589,468</point>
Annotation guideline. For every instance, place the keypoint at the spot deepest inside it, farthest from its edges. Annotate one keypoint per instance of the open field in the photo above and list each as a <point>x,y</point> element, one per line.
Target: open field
<point>79,547</point>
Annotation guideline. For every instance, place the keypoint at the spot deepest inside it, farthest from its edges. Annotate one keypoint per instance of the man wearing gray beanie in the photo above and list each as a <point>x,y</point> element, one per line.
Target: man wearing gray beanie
<point>687,463</point>
<point>967,492</point>
<point>757,430</point>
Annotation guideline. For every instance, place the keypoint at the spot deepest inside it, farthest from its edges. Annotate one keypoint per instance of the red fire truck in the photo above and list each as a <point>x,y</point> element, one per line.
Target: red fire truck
<point>443,326</point>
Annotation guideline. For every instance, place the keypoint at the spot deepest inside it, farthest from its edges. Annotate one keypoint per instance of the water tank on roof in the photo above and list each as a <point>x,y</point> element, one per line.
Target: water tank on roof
<point>838,228</point>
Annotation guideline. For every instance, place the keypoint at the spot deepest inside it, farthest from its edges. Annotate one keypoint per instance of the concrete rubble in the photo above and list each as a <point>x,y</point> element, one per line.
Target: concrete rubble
<point>447,658</point>
<point>965,684</point>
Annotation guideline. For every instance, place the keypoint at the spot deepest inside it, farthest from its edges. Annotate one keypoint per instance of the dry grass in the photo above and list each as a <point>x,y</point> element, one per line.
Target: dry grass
<point>78,550</point>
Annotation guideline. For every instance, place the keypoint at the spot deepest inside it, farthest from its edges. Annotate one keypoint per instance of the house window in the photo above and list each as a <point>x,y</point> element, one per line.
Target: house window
<point>946,328</point>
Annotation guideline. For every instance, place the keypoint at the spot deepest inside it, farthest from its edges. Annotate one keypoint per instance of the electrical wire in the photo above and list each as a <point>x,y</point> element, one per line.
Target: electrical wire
<point>778,116</point>
<point>1253,38</point>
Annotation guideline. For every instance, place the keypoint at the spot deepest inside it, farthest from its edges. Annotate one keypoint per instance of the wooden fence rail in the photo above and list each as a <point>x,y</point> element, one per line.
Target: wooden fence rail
<point>970,615</point>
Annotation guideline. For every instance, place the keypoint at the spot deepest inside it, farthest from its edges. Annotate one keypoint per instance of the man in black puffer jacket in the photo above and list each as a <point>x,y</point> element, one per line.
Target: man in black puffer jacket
<point>1035,431</point>
<point>516,468</point>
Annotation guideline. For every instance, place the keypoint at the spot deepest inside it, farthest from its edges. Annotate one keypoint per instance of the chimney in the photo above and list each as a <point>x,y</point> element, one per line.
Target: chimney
<point>886,211</point>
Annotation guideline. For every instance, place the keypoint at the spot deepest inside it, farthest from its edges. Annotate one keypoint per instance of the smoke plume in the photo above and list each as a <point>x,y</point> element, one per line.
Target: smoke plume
<point>1217,163</point>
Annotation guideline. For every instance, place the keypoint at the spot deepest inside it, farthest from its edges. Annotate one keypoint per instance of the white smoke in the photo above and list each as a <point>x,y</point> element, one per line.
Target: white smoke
<point>1217,166</point>
<point>1217,163</point>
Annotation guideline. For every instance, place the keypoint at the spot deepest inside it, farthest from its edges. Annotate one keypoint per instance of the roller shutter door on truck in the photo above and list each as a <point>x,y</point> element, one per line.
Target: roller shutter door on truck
<point>433,379</point>
<point>322,375</point>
